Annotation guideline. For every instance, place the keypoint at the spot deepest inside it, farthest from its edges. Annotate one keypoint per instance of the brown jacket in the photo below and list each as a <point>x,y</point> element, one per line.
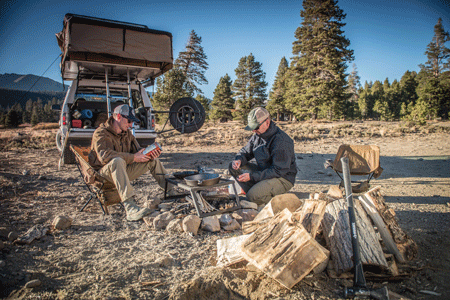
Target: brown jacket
<point>106,145</point>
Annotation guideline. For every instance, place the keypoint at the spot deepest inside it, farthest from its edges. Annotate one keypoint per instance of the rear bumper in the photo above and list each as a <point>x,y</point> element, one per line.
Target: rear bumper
<point>86,134</point>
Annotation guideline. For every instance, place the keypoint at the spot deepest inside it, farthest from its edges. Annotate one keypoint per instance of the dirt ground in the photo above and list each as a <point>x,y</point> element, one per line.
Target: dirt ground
<point>105,257</point>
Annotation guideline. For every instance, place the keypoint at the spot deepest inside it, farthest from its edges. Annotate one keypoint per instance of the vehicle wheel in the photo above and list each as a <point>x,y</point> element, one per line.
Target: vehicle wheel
<point>187,115</point>
<point>59,140</point>
<point>68,156</point>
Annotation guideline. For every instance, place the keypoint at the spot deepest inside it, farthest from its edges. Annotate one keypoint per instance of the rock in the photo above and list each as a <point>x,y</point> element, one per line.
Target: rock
<point>175,226</point>
<point>234,225</point>
<point>62,222</point>
<point>4,232</point>
<point>33,283</point>
<point>248,204</point>
<point>2,263</point>
<point>211,224</point>
<point>237,217</point>
<point>25,172</point>
<point>166,206</point>
<point>166,261</point>
<point>35,232</point>
<point>153,203</point>
<point>246,214</point>
<point>12,236</point>
<point>154,214</point>
<point>225,220</point>
<point>2,245</point>
<point>191,224</point>
<point>162,220</point>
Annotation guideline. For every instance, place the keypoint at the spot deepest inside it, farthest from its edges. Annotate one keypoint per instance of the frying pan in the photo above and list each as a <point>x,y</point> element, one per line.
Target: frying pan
<point>202,179</point>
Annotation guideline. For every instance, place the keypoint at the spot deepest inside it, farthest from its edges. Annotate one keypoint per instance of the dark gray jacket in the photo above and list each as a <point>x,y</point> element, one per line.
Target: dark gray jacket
<point>274,154</point>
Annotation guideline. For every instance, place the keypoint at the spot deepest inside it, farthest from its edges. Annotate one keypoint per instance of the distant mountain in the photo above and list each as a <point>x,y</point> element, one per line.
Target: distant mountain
<point>25,82</point>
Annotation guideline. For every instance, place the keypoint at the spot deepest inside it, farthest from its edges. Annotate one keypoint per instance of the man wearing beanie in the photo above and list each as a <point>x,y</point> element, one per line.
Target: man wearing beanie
<point>265,167</point>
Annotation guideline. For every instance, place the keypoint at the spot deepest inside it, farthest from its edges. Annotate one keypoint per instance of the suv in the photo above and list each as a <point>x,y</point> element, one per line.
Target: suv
<point>111,63</point>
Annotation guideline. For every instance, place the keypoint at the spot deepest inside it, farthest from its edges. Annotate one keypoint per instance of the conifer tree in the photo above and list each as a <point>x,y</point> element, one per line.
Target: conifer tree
<point>354,85</point>
<point>318,86</point>
<point>276,103</point>
<point>171,87</point>
<point>223,101</point>
<point>193,63</point>
<point>249,87</point>
<point>206,103</point>
<point>433,89</point>
<point>408,98</point>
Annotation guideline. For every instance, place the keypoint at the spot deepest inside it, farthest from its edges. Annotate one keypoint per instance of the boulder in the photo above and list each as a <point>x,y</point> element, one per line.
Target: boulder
<point>211,224</point>
<point>175,226</point>
<point>12,236</point>
<point>61,222</point>
<point>225,220</point>
<point>162,220</point>
<point>246,214</point>
<point>153,203</point>
<point>33,283</point>
<point>191,224</point>
<point>248,204</point>
<point>234,225</point>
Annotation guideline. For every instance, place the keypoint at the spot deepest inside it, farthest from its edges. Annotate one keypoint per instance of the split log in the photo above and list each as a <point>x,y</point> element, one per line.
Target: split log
<point>310,215</point>
<point>229,251</point>
<point>406,245</point>
<point>276,205</point>
<point>283,249</point>
<point>336,230</point>
<point>371,210</point>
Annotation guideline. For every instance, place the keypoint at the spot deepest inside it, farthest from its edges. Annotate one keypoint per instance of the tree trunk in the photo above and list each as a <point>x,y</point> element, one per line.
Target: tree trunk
<point>310,215</point>
<point>336,230</point>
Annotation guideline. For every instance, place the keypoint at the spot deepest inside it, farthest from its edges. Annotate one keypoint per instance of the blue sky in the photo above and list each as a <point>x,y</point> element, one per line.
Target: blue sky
<point>388,37</point>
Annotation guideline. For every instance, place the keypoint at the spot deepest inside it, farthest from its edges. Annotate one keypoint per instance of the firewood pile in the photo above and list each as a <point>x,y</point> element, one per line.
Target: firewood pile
<point>291,237</point>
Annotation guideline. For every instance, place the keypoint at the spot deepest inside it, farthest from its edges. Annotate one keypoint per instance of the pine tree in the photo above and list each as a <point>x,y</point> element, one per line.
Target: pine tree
<point>354,85</point>
<point>249,87</point>
<point>318,86</point>
<point>433,89</point>
<point>206,103</point>
<point>408,98</point>
<point>223,101</point>
<point>276,103</point>
<point>171,87</point>
<point>193,63</point>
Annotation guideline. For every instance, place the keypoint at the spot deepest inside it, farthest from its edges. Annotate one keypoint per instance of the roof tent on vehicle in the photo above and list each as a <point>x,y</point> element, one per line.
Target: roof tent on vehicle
<point>89,45</point>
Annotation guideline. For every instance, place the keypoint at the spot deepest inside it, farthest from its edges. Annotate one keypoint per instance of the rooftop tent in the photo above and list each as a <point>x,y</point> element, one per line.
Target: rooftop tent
<point>88,45</point>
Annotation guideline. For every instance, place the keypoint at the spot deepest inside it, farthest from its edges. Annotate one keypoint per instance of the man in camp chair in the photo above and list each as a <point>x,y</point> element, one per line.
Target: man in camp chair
<point>118,157</point>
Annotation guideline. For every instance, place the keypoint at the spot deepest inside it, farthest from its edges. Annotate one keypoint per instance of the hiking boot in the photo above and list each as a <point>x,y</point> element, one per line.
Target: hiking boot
<point>133,211</point>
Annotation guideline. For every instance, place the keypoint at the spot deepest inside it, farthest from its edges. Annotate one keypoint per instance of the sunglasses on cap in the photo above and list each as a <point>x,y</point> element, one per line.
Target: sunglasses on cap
<point>260,124</point>
<point>129,121</point>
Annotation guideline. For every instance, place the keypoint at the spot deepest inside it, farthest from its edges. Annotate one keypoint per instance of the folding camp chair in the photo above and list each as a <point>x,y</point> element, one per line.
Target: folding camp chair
<point>363,160</point>
<point>99,188</point>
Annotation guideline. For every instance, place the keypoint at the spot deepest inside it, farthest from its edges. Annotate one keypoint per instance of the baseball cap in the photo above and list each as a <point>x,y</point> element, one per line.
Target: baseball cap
<point>127,112</point>
<point>256,117</point>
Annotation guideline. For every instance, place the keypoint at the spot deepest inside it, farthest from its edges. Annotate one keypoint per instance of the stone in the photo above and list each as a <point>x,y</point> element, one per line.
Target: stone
<point>33,283</point>
<point>2,263</point>
<point>2,245</point>
<point>12,236</point>
<point>248,204</point>
<point>166,261</point>
<point>62,222</point>
<point>175,226</point>
<point>225,220</point>
<point>162,220</point>
<point>191,223</point>
<point>153,203</point>
<point>166,206</point>
<point>4,232</point>
<point>234,225</point>
<point>237,217</point>
<point>211,224</point>
<point>246,214</point>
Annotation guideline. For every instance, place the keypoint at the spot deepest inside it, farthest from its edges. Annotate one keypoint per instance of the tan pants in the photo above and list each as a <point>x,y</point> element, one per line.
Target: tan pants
<point>118,172</point>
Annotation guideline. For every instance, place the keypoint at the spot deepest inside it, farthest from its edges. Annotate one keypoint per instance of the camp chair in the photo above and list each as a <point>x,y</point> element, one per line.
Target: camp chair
<point>363,160</point>
<point>99,188</point>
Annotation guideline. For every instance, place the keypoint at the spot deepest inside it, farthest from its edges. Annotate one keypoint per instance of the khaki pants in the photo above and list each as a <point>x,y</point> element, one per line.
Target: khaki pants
<point>118,172</point>
<point>261,192</point>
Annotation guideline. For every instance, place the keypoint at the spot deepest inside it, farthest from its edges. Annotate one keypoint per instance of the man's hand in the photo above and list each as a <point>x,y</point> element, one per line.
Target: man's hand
<point>140,157</point>
<point>244,177</point>
<point>236,164</point>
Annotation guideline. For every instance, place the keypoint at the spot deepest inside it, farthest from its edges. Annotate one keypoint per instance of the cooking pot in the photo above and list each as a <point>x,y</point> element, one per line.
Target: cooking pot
<point>202,179</point>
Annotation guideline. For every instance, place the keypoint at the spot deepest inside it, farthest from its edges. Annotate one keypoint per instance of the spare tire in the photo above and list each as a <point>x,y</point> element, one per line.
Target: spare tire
<point>187,115</point>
